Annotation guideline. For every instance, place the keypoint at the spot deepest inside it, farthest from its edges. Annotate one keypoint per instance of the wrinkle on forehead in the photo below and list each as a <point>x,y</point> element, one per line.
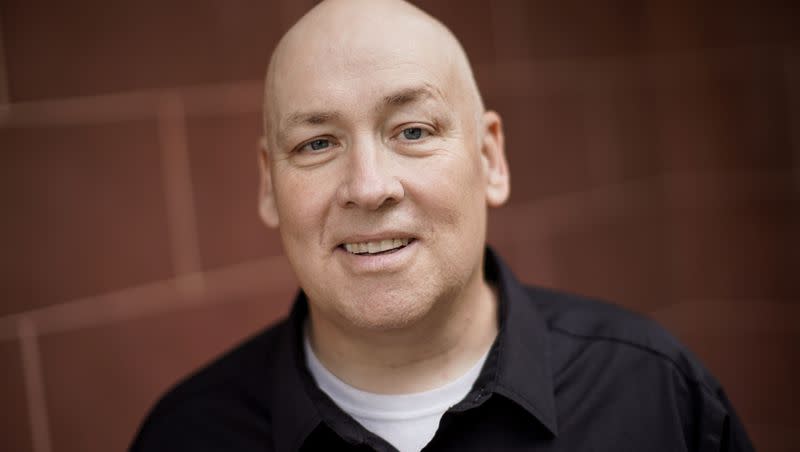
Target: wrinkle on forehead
<point>348,35</point>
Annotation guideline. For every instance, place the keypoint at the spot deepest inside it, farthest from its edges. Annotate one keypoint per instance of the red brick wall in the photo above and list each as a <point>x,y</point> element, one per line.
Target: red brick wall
<point>655,154</point>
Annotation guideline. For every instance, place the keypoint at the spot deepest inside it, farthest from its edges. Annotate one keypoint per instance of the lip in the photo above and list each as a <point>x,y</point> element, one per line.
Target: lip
<point>391,262</point>
<point>361,238</point>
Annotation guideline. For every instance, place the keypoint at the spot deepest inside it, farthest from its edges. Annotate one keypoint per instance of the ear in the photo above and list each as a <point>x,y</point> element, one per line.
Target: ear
<point>267,209</point>
<point>493,154</point>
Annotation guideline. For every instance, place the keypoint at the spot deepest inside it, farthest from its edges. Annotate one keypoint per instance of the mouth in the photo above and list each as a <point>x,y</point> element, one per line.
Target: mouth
<point>377,247</point>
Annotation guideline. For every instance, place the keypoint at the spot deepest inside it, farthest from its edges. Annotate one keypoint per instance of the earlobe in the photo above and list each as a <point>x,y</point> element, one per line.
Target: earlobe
<point>267,209</point>
<point>498,183</point>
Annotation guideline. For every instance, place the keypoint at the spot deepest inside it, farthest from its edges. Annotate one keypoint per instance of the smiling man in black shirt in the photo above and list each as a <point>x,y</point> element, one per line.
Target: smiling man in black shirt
<point>379,165</point>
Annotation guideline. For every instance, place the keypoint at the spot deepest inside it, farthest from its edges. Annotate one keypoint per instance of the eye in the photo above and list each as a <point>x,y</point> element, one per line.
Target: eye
<point>316,145</point>
<point>414,133</point>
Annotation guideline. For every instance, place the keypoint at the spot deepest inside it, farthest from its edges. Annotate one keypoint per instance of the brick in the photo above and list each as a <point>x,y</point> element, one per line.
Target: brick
<point>223,151</point>
<point>774,437</point>
<point>729,315</point>
<point>745,252</point>
<point>14,426</point>
<point>90,47</point>
<point>757,370</point>
<point>621,260</point>
<point>546,145</point>
<point>470,22</point>
<point>548,30</point>
<point>582,244</point>
<point>88,212</point>
<point>720,110</point>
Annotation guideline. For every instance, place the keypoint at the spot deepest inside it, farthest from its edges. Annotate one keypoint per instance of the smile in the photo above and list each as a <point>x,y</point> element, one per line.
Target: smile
<point>376,247</point>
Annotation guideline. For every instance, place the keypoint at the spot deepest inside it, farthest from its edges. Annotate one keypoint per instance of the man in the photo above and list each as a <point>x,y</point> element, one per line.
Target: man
<point>379,163</point>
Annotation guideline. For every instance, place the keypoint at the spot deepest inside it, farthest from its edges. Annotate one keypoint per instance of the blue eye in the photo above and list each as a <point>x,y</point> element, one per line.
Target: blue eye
<point>318,144</point>
<point>413,133</point>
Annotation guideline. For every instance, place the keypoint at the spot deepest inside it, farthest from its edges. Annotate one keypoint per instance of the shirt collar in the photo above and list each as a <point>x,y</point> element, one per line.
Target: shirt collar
<point>294,414</point>
<point>522,352</point>
<point>518,367</point>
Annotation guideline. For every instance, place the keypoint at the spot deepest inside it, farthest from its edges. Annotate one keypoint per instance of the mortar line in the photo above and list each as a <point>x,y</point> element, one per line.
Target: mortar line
<point>179,196</point>
<point>34,385</point>
<point>4,93</point>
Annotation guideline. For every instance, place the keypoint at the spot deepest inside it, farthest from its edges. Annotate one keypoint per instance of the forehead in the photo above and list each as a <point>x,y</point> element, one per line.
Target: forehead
<point>355,68</point>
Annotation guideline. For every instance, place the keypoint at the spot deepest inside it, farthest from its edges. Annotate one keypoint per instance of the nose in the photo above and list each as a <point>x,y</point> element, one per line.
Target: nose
<point>370,181</point>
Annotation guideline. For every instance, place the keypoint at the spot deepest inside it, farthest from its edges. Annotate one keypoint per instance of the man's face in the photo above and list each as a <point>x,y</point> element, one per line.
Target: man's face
<point>377,178</point>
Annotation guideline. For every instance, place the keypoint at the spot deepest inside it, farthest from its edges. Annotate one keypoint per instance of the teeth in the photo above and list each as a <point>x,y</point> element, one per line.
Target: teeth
<point>375,247</point>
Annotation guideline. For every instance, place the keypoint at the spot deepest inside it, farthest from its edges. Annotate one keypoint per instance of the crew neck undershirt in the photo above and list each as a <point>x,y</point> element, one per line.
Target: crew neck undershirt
<point>406,421</point>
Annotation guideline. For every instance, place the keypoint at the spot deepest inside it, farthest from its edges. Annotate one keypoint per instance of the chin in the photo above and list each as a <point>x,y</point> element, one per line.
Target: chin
<point>386,309</point>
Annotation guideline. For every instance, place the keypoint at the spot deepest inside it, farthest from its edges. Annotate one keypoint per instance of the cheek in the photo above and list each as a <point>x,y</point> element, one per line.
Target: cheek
<point>449,186</point>
<point>302,199</point>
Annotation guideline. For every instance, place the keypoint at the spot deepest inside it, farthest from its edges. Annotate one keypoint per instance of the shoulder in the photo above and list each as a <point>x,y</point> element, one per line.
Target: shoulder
<point>222,405</point>
<point>606,359</point>
<point>581,325</point>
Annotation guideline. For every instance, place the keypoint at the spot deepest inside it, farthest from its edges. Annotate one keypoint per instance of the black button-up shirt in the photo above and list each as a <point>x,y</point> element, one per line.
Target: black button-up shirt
<point>564,374</point>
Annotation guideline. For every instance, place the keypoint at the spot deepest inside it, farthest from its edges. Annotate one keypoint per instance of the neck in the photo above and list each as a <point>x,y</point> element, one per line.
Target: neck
<point>424,355</point>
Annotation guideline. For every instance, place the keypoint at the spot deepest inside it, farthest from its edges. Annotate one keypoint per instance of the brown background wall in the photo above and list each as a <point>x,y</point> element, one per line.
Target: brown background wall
<point>655,149</point>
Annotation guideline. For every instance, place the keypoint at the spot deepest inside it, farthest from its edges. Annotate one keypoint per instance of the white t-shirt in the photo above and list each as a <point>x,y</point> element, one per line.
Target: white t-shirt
<point>406,421</point>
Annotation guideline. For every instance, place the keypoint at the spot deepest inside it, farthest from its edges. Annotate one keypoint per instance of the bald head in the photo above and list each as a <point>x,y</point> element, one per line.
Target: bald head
<point>358,39</point>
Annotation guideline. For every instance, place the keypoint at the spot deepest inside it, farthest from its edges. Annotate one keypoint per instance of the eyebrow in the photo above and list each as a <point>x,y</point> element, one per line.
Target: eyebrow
<point>399,98</point>
<point>312,118</point>
<point>408,95</point>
